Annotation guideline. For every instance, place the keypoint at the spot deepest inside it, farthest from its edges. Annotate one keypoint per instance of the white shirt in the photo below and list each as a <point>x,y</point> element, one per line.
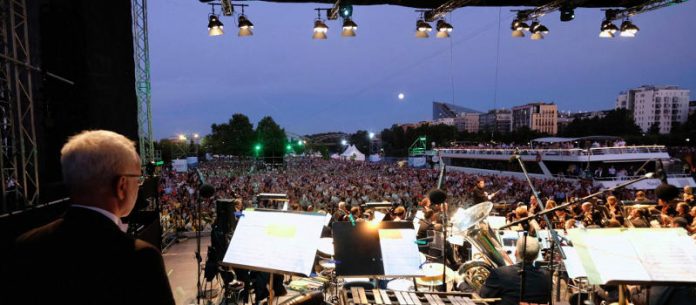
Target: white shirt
<point>122,226</point>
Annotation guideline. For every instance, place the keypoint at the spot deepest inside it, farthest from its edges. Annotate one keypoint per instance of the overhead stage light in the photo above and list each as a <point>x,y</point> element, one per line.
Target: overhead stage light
<point>422,29</point>
<point>349,27</point>
<point>538,30</point>
<point>214,25</point>
<point>518,27</point>
<point>628,29</point>
<point>320,27</point>
<point>245,26</point>
<point>443,29</point>
<point>608,29</point>
<point>567,14</point>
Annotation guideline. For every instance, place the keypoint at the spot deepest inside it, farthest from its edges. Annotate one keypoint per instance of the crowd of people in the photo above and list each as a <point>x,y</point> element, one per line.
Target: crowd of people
<point>316,184</point>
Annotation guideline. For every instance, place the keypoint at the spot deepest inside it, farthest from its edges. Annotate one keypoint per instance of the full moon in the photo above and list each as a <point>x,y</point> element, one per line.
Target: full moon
<point>401,96</point>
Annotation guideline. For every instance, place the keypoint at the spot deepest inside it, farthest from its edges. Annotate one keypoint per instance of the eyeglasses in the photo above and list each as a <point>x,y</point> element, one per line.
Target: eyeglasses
<point>141,178</point>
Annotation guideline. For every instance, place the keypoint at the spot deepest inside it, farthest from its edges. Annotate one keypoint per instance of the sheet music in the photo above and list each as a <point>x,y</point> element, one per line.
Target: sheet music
<point>636,255</point>
<point>572,263</point>
<point>665,257</point>
<point>608,256</point>
<point>269,240</point>
<point>416,220</point>
<point>379,216</point>
<point>400,255</point>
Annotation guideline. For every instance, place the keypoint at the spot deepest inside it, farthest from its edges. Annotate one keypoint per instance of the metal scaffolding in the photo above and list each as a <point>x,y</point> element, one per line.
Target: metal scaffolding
<point>19,162</point>
<point>142,80</point>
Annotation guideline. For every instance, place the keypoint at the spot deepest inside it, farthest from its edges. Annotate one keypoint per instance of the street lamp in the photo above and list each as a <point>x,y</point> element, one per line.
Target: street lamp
<point>344,142</point>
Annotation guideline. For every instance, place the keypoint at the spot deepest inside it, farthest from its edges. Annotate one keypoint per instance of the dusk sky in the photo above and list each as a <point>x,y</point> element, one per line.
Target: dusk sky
<point>345,84</point>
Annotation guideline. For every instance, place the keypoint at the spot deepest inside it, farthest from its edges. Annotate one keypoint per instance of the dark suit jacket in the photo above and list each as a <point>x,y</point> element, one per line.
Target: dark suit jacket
<point>666,295</point>
<point>479,195</point>
<point>504,282</point>
<point>83,258</point>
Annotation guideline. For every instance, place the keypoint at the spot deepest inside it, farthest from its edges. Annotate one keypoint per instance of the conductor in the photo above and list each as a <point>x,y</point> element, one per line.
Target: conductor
<point>480,194</point>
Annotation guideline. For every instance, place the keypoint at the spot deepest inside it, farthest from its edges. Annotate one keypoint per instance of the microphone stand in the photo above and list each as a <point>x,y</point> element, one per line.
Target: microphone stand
<point>552,231</point>
<point>524,265</point>
<point>443,207</point>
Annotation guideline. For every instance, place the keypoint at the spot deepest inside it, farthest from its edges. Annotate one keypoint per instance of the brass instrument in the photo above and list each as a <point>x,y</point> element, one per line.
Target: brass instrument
<point>472,225</point>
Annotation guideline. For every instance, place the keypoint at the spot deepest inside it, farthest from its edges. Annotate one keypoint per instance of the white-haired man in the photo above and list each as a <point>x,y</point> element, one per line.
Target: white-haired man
<point>504,282</point>
<point>85,257</point>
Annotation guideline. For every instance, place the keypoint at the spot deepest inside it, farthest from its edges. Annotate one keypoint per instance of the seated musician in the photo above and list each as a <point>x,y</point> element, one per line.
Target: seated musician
<point>590,216</point>
<point>504,282</point>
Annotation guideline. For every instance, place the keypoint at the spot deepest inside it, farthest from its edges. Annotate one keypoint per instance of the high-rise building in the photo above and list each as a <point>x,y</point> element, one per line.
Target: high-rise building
<point>542,117</point>
<point>496,120</point>
<point>468,122</point>
<point>446,110</point>
<point>666,106</point>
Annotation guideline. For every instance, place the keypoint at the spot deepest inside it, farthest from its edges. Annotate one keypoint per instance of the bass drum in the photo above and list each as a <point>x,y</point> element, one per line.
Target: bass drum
<point>474,273</point>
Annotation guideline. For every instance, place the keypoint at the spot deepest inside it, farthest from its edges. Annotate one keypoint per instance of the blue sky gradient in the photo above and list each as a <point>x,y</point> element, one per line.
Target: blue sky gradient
<point>346,84</point>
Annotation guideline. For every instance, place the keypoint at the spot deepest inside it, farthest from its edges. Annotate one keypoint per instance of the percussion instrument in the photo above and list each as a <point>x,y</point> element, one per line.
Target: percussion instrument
<point>358,296</point>
<point>401,285</point>
<point>433,275</point>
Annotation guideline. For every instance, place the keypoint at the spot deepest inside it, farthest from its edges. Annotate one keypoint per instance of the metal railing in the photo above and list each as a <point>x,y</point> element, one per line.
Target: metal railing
<point>556,152</point>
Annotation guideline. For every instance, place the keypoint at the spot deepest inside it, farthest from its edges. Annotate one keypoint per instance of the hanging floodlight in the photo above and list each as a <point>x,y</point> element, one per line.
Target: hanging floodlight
<point>349,27</point>
<point>538,30</point>
<point>443,29</point>
<point>518,27</point>
<point>320,28</point>
<point>422,29</point>
<point>567,13</point>
<point>245,26</point>
<point>214,25</point>
<point>628,29</point>
<point>607,29</point>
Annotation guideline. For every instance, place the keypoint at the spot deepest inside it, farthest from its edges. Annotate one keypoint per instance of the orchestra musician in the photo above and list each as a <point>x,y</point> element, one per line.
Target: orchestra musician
<point>504,282</point>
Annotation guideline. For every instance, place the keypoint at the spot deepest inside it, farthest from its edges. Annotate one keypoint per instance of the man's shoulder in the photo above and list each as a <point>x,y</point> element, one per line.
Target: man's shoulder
<point>40,234</point>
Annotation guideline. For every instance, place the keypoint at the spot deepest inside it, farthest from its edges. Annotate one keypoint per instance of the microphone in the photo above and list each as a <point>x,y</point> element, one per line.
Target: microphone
<point>206,191</point>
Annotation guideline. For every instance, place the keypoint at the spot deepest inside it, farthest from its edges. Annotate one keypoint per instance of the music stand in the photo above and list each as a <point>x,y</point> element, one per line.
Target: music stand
<point>369,249</point>
<point>267,241</point>
<point>635,256</point>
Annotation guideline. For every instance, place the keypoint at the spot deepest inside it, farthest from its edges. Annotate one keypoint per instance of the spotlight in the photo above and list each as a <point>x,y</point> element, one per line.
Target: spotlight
<point>567,14</point>
<point>518,25</point>
<point>422,29</point>
<point>349,27</point>
<point>320,29</point>
<point>537,36</point>
<point>607,29</point>
<point>537,27</point>
<point>443,29</point>
<point>214,25</point>
<point>628,29</point>
<point>245,26</point>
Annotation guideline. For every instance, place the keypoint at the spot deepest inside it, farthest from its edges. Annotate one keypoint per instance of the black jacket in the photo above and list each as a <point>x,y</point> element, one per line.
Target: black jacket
<point>84,258</point>
<point>504,283</point>
<point>479,195</point>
